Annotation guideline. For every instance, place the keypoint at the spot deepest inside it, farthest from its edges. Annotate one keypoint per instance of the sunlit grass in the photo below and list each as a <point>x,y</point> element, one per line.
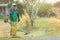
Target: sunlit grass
<point>50,25</point>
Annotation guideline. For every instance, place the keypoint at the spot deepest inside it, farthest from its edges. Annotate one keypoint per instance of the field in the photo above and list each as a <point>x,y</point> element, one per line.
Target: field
<point>42,27</point>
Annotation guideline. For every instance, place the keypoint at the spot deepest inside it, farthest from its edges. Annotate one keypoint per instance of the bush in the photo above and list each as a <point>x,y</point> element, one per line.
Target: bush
<point>45,10</point>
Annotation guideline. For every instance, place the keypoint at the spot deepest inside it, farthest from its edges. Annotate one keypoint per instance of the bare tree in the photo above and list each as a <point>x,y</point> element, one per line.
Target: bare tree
<point>34,11</point>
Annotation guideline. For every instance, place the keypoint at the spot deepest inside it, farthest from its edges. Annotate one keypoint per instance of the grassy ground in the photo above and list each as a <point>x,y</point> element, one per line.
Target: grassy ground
<point>51,26</point>
<point>42,27</point>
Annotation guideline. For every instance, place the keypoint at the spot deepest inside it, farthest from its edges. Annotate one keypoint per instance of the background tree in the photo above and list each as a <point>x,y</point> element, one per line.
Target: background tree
<point>56,9</point>
<point>31,8</point>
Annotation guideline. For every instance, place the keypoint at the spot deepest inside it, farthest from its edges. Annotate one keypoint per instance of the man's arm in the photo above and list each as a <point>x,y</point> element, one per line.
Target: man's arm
<point>18,16</point>
<point>10,12</point>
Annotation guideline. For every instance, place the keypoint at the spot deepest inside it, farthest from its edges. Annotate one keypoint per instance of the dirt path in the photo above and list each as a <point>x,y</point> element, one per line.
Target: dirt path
<point>4,27</point>
<point>5,30</point>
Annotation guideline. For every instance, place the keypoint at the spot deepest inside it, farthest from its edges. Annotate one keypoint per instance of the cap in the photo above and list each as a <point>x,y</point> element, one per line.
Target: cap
<point>13,4</point>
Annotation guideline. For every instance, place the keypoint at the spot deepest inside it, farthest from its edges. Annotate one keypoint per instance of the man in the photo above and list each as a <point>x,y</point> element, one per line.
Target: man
<point>14,18</point>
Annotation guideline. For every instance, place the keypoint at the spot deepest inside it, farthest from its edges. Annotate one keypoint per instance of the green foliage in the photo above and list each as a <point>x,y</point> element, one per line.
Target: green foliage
<point>30,9</point>
<point>20,7</point>
<point>45,10</point>
<point>2,16</point>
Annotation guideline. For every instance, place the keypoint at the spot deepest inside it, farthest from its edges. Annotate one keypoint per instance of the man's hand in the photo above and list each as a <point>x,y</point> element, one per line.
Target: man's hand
<point>5,20</point>
<point>18,20</point>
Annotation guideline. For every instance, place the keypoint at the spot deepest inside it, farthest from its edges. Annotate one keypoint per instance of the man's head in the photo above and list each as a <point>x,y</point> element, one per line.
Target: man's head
<point>13,5</point>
